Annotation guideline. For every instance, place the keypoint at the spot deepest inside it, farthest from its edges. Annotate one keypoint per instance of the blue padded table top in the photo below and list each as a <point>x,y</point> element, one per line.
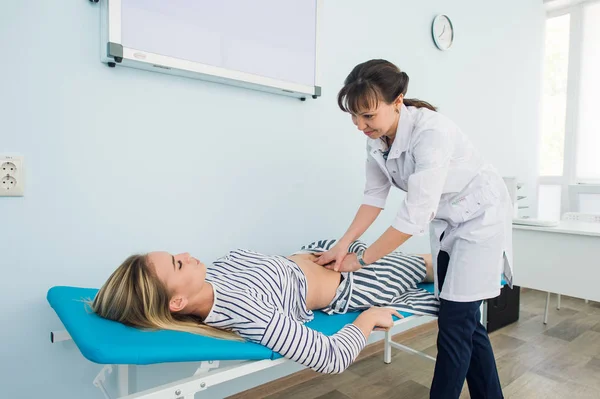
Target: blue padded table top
<point>107,342</point>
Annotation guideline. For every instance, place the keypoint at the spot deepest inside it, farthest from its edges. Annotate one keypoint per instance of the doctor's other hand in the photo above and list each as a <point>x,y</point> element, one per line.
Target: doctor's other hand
<point>333,258</point>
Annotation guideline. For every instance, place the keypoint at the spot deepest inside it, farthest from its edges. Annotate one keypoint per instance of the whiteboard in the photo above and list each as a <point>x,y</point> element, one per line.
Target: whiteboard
<point>269,45</point>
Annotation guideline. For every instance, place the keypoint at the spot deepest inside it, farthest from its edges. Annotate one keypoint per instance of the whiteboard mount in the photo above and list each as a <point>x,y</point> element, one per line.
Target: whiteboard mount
<point>114,52</point>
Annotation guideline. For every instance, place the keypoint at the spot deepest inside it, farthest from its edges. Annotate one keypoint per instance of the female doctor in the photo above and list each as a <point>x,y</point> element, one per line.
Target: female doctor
<point>452,189</point>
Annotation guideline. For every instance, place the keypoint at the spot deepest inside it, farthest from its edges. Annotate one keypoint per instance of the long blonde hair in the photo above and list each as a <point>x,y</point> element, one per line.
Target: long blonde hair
<point>133,295</point>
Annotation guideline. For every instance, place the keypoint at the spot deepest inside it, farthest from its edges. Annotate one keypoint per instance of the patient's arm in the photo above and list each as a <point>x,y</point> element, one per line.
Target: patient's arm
<point>322,353</point>
<point>295,341</point>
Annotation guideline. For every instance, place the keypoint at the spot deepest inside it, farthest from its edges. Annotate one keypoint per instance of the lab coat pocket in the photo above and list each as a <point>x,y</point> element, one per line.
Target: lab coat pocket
<point>463,208</point>
<point>469,206</point>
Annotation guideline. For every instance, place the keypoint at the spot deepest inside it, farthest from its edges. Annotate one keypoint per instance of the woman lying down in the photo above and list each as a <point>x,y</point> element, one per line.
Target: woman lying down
<point>267,299</point>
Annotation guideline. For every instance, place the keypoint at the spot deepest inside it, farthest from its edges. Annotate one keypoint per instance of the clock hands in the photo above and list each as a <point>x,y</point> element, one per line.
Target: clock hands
<point>443,30</point>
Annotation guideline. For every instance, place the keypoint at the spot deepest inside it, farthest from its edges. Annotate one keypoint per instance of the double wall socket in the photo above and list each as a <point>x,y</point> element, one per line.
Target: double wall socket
<point>12,176</point>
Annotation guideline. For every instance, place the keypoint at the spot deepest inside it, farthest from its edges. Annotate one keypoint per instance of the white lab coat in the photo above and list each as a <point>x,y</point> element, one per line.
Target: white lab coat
<point>453,190</point>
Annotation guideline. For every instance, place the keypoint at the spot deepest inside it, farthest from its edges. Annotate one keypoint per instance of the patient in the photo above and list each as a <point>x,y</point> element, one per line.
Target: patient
<point>267,299</point>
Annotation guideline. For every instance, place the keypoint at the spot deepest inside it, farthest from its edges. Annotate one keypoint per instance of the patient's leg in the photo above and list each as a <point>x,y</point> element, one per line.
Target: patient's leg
<point>429,265</point>
<point>358,245</point>
<point>394,281</point>
<point>427,258</point>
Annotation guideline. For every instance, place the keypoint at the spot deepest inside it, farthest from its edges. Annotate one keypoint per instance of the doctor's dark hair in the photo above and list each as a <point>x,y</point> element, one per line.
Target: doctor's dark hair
<point>374,81</point>
<point>134,295</point>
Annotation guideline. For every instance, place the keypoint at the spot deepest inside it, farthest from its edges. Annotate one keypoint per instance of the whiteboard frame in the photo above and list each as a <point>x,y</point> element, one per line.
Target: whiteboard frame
<point>113,53</point>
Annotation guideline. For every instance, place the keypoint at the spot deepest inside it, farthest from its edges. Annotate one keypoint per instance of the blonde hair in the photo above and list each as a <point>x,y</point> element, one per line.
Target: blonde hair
<point>133,295</point>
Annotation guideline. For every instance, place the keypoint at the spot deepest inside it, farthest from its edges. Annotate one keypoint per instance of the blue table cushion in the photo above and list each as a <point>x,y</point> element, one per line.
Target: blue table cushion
<point>107,342</point>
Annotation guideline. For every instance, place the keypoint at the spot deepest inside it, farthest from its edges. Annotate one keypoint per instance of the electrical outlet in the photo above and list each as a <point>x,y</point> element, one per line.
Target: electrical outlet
<point>12,176</point>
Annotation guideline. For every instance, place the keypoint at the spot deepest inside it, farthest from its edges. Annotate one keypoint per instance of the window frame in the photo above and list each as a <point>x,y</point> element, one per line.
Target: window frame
<point>569,177</point>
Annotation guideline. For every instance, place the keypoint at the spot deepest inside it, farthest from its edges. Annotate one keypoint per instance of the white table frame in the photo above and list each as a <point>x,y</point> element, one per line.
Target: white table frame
<point>563,259</point>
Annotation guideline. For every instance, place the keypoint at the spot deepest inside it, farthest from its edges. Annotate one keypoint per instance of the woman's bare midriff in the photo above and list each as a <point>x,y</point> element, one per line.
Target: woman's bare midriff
<point>321,283</point>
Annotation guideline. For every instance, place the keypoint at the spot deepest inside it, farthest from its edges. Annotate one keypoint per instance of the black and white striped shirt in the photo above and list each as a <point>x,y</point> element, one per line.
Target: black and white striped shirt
<point>263,299</point>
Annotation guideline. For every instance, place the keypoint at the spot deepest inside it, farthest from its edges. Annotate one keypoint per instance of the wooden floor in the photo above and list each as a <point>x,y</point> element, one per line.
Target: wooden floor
<point>557,360</point>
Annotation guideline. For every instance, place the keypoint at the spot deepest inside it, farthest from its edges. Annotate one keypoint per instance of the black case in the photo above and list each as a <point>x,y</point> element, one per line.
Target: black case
<point>504,309</point>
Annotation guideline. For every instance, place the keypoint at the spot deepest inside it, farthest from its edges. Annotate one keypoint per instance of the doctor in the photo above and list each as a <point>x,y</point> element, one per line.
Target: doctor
<point>451,189</point>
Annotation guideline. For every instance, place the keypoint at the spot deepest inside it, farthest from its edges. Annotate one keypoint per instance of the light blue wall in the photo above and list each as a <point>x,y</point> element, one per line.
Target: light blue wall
<point>120,160</point>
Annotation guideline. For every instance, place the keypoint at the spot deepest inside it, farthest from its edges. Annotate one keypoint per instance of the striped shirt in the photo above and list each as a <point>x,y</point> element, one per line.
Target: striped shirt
<point>263,299</point>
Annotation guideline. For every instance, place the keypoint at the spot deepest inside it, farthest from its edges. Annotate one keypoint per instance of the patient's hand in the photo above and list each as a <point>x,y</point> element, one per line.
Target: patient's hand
<point>382,317</point>
<point>376,319</point>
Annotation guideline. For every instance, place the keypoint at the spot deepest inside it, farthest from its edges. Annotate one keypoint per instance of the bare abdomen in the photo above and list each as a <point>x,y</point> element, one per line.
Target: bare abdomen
<point>321,283</point>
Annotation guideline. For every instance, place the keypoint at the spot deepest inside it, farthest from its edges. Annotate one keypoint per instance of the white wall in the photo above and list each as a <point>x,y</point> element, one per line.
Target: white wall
<point>120,160</point>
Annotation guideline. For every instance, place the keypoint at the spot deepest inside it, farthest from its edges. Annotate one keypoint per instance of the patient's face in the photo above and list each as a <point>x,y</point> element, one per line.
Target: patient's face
<point>182,274</point>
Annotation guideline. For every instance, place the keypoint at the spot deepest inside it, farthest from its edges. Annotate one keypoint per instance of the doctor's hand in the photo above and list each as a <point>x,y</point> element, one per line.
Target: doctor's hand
<point>333,258</point>
<point>349,264</point>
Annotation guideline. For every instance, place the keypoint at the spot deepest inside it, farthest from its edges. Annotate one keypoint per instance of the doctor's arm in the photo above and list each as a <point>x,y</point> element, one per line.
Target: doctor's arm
<point>385,244</point>
<point>377,188</point>
<point>364,218</point>
<point>432,153</point>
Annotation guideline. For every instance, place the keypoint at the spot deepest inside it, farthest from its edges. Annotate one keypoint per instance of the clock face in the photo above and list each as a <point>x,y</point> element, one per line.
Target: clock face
<point>443,32</point>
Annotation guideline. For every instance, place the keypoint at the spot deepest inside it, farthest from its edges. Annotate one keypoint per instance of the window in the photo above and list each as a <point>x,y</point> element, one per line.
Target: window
<point>570,125</point>
<point>588,146</point>
<point>554,106</point>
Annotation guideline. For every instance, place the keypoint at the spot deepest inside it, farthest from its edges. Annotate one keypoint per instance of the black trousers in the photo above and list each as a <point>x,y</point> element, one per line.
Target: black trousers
<point>464,349</point>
